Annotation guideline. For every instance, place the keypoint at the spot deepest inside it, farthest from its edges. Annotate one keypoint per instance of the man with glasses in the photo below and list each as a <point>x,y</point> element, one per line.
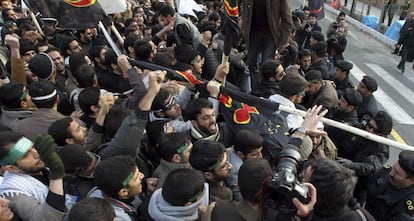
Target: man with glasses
<point>211,158</point>
<point>366,156</point>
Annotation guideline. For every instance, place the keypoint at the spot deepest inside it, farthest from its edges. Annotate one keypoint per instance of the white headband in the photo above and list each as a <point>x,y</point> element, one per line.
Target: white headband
<point>41,98</point>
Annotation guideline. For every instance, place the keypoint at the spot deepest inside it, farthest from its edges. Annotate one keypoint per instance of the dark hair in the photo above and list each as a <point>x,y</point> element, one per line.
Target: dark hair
<point>166,10</point>
<point>65,43</point>
<point>76,60</point>
<point>42,88</point>
<point>85,76</point>
<point>313,14</point>
<point>304,53</point>
<point>164,59</point>
<point>247,140</point>
<point>10,95</point>
<point>92,209</point>
<point>95,51</point>
<point>337,183</point>
<point>170,143</point>
<point>111,57</point>
<point>159,100</point>
<point>182,185</point>
<point>25,46</point>
<point>194,107</point>
<point>143,49</point>
<point>59,130</point>
<point>206,153</point>
<point>7,139</point>
<point>251,175</point>
<point>87,98</point>
<point>113,121</point>
<point>268,68</point>
<point>129,41</point>
<point>117,168</point>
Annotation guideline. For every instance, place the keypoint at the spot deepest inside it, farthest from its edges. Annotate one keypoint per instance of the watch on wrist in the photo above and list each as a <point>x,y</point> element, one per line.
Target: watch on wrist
<point>301,130</point>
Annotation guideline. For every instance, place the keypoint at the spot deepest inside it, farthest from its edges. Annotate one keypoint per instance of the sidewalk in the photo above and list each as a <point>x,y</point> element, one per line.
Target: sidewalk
<point>361,11</point>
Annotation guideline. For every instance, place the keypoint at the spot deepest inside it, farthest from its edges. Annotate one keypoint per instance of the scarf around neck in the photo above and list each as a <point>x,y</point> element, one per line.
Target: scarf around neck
<point>17,183</point>
<point>198,136</point>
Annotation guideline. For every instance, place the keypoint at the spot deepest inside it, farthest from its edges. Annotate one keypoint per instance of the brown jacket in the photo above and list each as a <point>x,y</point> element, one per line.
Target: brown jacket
<point>326,96</point>
<point>280,21</point>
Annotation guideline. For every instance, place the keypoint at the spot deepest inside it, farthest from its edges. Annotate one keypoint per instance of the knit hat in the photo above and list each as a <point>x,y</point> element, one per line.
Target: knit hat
<point>384,122</point>
<point>317,35</point>
<point>313,76</point>
<point>292,84</point>
<point>406,161</point>
<point>370,82</point>
<point>344,65</point>
<point>42,66</point>
<point>352,97</point>
<point>74,157</point>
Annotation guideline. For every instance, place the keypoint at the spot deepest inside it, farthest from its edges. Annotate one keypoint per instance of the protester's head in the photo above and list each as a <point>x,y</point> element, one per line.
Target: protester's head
<point>252,174</point>
<point>305,59</point>
<point>129,45</point>
<point>342,69</point>
<point>335,182</point>
<point>165,105</point>
<point>272,70</point>
<point>97,54</point>
<point>210,157</point>
<point>85,76</point>
<point>70,45</point>
<point>89,100</point>
<point>144,49</point>
<point>57,58</point>
<point>113,121</point>
<point>318,50</point>
<point>27,50</point>
<point>293,86</point>
<point>248,144</point>
<point>77,59</point>
<point>175,147</point>
<point>402,173</point>
<point>85,35</point>
<point>67,131</point>
<point>125,179</point>
<point>42,66</point>
<point>166,15</point>
<point>182,187</point>
<point>92,209</point>
<point>17,154</point>
<point>203,118</point>
<point>77,161</point>
<point>367,86</point>
<point>14,95</point>
<point>317,138</point>
<point>380,124</point>
<point>43,94</point>
<point>349,100</point>
<point>316,37</point>
<point>315,81</point>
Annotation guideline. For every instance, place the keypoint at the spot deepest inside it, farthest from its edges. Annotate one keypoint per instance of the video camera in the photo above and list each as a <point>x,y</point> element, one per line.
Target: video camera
<point>284,185</point>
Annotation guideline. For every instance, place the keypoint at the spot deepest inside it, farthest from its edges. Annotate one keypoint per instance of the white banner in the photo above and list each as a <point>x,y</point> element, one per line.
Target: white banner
<point>113,6</point>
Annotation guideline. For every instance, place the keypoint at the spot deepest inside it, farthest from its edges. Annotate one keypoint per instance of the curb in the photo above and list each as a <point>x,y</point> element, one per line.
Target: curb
<point>374,33</point>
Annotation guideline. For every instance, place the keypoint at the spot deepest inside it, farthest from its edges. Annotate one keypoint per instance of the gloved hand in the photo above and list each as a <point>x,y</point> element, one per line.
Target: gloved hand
<point>345,162</point>
<point>46,147</point>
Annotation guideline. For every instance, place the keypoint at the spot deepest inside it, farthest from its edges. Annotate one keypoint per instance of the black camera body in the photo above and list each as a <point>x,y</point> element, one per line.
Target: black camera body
<point>284,185</point>
<point>334,37</point>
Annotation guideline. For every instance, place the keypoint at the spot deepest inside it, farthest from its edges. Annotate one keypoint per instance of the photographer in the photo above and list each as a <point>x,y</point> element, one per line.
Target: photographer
<point>278,193</point>
<point>336,46</point>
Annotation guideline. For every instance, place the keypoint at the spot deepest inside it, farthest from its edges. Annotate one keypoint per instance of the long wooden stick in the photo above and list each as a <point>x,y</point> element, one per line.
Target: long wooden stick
<point>36,23</point>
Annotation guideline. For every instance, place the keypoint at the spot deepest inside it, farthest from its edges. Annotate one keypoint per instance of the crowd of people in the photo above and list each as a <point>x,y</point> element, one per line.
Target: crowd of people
<point>87,135</point>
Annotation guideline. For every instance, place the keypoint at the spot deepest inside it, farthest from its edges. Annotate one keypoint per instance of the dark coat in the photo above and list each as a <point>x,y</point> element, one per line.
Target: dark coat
<point>326,97</point>
<point>367,107</point>
<point>279,19</point>
<point>321,66</point>
<point>387,203</point>
<point>341,86</point>
<point>346,215</point>
<point>407,33</point>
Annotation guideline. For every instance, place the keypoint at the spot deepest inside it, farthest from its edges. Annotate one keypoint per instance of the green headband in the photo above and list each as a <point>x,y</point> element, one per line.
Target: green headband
<point>128,178</point>
<point>18,150</point>
<point>182,148</point>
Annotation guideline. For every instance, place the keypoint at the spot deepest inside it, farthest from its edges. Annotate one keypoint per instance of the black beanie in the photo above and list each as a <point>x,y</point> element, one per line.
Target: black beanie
<point>42,66</point>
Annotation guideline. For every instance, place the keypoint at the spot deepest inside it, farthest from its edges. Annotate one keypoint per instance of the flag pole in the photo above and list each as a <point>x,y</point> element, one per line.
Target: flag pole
<point>109,39</point>
<point>36,23</point>
<point>351,129</point>
<point>116,32</point>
